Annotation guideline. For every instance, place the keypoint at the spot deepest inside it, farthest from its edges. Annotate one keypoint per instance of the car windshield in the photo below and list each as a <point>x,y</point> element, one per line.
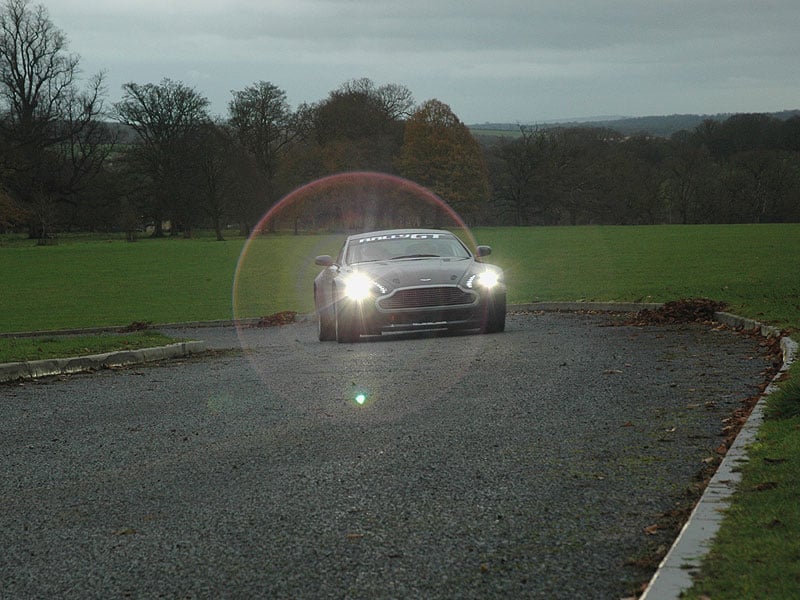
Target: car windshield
<point>405,246</point>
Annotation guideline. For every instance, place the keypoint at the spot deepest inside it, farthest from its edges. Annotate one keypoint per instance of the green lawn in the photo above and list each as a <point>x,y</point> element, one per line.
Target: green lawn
<point>60,346</point>
<point>756,553</point>
<point>87,282</point>
<point>754,268</point>
<point>92,282</point>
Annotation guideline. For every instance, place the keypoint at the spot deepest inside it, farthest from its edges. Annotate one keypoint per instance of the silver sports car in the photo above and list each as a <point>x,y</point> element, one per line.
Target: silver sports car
<point>407,279</point>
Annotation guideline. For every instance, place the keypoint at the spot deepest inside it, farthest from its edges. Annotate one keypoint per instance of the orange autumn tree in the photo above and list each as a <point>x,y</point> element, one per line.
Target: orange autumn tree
<point>440,153</point>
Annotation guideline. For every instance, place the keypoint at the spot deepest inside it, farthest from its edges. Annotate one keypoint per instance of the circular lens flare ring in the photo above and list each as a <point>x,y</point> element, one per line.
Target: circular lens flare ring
<point>275,268</point>
<point>366,185</point>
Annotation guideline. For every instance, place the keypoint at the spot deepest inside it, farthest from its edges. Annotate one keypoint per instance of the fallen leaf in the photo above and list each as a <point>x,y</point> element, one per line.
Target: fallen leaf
<point>651,530</point>
<point>767,485</point>
<point>775,523</point>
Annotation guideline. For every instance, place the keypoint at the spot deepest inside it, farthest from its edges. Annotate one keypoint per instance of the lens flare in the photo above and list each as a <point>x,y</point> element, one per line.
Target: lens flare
<point>275,270</point>
<point>358,287</point>
<point>271,277</point>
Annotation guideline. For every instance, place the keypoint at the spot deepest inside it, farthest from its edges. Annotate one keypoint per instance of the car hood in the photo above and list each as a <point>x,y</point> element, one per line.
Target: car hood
<point>414,272</point>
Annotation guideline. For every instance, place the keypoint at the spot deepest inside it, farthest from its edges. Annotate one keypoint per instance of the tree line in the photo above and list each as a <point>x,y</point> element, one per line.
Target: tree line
<point>745,169</point>
<point>69,160</point>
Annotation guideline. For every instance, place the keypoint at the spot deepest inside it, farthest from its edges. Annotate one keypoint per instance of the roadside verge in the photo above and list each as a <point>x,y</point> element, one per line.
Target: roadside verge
<point>676,571</point>
<point>61,366</point>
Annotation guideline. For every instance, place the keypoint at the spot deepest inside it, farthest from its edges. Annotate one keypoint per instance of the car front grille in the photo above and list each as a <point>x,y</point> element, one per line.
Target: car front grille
<point>427,297</point>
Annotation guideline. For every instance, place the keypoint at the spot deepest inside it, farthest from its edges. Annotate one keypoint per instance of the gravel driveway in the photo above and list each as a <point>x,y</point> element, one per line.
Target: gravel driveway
<point>527,464</point>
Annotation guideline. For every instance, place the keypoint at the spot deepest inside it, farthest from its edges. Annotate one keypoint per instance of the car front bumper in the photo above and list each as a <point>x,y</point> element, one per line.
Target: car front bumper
<point>374,318</point>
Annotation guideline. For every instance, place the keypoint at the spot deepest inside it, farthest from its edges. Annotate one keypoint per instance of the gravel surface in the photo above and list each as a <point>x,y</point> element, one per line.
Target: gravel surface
<point>526,464</point>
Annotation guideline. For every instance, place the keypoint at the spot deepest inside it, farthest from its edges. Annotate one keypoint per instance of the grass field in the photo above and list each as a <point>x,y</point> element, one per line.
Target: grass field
<point>90,282</point>
<point>754,268</point>
<point>87,282</point>
<point>45,347</point>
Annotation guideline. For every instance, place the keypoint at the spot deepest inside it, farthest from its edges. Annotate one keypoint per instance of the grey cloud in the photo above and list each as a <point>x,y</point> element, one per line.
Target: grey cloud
<point>516,56</point>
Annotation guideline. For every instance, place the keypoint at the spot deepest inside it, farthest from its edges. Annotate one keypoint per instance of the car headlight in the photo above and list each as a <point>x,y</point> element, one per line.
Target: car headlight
<point>360,287</point>
<point>485,279</point>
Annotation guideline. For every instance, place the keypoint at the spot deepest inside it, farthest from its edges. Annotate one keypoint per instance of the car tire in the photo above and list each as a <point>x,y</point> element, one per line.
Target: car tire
<point>495,320</point>
<point>326,327</point>
<point>348,329</point>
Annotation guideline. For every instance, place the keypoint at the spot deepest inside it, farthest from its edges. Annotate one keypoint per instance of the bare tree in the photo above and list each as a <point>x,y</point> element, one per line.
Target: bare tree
<point>50,130</point>
<point>262,119</point>
<point>222,181</point>
<point>165,118</point>
<point>396,100</point>
<point>265,126</point>
<point>520,186</point>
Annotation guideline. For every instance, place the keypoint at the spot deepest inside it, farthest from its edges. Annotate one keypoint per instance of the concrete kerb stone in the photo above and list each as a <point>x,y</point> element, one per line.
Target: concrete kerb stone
<point>63,366</point>
<point>675,573</point>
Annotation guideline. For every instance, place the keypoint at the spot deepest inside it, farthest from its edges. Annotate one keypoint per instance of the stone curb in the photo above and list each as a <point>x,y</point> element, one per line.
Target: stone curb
<point>674,574</point>
<point>62,366</point>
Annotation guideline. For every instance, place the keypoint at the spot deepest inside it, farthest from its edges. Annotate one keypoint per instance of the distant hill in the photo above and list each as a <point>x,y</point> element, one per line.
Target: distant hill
<point>663,126</point>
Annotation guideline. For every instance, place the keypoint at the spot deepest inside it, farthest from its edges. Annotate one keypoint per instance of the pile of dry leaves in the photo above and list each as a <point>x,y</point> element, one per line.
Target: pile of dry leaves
<point>688,310</point>
<point>280,318</point>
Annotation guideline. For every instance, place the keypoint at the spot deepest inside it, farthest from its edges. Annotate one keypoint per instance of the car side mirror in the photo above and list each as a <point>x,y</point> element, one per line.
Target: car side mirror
<point>325,260</point>
<point>484,250</point>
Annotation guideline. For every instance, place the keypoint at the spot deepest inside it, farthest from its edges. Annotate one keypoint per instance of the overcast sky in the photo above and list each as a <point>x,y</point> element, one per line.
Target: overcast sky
<point>517,61</point>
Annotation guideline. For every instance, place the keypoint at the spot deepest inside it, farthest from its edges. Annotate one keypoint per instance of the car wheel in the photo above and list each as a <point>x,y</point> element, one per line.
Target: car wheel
<point>495,321</point>
<point>326,328</point>
<point>348,328</point>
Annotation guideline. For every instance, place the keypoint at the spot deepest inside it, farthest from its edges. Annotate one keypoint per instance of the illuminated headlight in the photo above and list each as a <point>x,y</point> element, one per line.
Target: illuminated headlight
<point>484,279</point>
<point>360,287</point>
